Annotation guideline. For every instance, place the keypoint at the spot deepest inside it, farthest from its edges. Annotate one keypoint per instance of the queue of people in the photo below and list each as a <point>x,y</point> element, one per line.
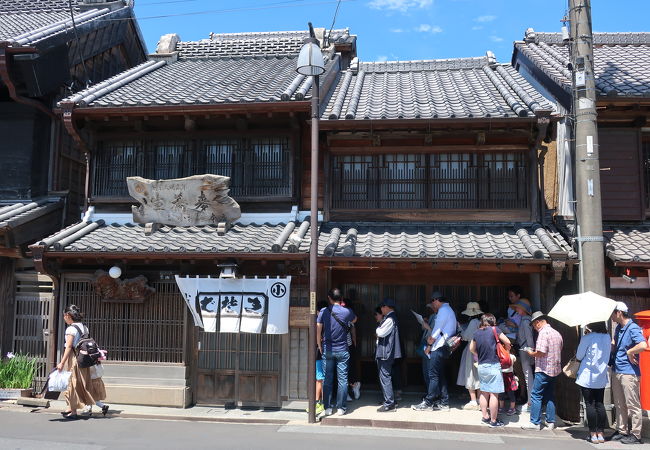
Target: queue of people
<point>489,376</point>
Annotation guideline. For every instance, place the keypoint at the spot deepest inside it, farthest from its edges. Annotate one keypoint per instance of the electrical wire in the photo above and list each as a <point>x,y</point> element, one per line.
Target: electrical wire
<point>76,36</point>
<point>276,5</point>
<point>329,35</point>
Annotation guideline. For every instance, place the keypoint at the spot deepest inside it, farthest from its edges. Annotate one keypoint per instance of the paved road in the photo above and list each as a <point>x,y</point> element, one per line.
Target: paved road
<point>20,429</point>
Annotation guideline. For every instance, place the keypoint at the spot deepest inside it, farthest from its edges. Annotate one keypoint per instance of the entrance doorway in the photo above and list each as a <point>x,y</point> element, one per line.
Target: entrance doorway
<point>238,368</point>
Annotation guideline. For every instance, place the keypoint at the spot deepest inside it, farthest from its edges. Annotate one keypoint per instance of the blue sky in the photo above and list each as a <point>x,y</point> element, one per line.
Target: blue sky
<point>388,29</point>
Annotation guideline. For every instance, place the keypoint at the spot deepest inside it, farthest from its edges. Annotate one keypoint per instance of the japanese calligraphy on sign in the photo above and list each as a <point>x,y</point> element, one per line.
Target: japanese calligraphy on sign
<point>191,201</point>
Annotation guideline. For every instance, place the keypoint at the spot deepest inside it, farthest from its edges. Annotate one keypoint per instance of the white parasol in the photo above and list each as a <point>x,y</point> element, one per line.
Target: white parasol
<point>582,309</point>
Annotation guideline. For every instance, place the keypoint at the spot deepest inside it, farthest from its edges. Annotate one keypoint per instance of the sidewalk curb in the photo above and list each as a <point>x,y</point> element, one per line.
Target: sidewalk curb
<point>431,426</point>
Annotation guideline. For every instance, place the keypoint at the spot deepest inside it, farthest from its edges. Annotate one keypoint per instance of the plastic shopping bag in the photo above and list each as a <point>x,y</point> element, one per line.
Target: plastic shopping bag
<point>58,381</point>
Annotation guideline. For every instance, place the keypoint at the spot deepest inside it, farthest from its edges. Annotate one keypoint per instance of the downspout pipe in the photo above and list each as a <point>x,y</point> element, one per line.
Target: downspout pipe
<point>71,127</point>
<point>5,75</point>
<point>543,122</point>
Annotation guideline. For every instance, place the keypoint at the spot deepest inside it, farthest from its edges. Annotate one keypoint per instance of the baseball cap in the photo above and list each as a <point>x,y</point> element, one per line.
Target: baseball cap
<point>436,294</point>
<point>389,302</point>
<point>620,306</point>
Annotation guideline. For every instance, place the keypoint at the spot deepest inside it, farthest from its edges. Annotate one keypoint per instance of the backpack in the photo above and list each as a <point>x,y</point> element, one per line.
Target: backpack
<point>87,350</point>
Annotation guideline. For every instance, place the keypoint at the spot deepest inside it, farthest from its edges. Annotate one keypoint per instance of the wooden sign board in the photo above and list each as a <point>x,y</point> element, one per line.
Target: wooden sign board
<point>299,317</point>
<point>185,202</point>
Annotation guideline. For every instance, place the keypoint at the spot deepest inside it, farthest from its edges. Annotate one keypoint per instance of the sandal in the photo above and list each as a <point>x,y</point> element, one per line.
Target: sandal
<point>65,413</point>
<point>71,417</point>
<point>104,410</point>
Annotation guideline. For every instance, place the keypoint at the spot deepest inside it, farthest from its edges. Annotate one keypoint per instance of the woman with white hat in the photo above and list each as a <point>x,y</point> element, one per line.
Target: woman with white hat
<point>468,372</point>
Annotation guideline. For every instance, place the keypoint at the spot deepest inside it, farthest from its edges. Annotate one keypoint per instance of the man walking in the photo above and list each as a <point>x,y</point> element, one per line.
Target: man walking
<point>445,326</point>
<point>547,356</point>
<point>333,326</point>
<point>628,343</point>
<point>388,349</point>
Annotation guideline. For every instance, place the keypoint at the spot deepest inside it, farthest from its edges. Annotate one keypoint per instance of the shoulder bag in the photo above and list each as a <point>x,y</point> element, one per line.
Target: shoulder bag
<point>502,354</point>
<point>570,369</point>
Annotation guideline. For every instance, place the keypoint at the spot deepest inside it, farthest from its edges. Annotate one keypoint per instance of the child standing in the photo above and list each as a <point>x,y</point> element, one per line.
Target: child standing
<point>510,385</point>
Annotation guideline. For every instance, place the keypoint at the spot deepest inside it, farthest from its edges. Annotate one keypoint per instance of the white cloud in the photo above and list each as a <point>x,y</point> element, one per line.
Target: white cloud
<point>426,28</point>
<point>399,5</point>
<point>396,30</point>
<point>477,27</point>
<point>484,19</point>
<point>496,39</point>
<point>382,58</point>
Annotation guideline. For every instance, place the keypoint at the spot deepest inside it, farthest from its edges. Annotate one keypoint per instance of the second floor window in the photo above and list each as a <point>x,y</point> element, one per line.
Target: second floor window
<point>430,181</point>
<point>258,167</point>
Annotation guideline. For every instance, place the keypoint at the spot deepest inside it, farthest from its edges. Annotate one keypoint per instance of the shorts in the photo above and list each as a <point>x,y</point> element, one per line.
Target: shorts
<point>320,375</point>
<point>490,378</point>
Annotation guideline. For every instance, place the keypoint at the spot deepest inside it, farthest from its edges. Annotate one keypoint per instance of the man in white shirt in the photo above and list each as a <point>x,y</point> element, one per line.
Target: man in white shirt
<point>437,397</point>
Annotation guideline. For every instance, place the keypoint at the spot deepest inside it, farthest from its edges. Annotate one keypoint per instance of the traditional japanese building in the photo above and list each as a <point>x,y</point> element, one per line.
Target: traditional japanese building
<point>48,49</point>
<point>429,180</point>
<point>622,67</point>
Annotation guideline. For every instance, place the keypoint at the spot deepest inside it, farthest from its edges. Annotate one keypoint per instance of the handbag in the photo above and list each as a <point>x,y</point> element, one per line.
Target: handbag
<point>453,343</point>
<point>502,354</point>
<point>570,369</point>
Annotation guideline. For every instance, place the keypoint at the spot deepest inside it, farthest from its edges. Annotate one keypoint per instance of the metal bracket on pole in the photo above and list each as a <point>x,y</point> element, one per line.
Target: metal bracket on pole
<point>590,239</point>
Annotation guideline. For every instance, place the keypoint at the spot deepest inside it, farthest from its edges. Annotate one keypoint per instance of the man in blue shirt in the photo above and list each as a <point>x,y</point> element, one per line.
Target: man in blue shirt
<point>445,326</point>
<point>627,344</point>
<point>332,328</point>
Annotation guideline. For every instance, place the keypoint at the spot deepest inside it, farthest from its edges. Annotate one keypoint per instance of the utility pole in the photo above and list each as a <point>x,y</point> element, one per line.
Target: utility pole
<point>589,207</point>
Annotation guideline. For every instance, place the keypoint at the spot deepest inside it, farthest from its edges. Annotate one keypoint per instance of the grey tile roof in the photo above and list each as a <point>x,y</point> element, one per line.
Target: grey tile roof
<point>436,89</point>
<point>627,242</point>
<point>98,237</point>
<point>228,68</point>
<point>369,240</point>
<point>24,22</point>
<point>204,81</point>
<point>281,43</point>
<point>622,61</point>
<point>440,241</point>
<point>15,214</point>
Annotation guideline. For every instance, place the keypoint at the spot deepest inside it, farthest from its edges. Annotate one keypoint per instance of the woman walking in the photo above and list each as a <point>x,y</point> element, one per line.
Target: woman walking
<point>593,353</point>
<point>468,372</point>
<point>484,345</point>
<point>80,385</point>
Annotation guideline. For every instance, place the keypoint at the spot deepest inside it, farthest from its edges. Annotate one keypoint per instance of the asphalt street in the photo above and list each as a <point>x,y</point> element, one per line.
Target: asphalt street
<point>20,429</point>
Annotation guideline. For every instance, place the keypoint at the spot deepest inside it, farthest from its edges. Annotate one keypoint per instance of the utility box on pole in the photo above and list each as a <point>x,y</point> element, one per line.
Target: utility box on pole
<point>588,200</point>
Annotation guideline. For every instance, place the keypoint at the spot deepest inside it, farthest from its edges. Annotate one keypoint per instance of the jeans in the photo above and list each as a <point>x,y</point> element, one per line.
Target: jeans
<point>528,367</point>
<point>596,416</point>
<point>338,361</point>
<point>437,388</point>
<point>425,372</point>
<point>385,368</point>
<point>543,393</point>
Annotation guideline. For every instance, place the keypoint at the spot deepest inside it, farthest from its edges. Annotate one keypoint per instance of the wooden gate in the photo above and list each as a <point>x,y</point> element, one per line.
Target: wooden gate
<point>239,368</point>
<point>33,304</point>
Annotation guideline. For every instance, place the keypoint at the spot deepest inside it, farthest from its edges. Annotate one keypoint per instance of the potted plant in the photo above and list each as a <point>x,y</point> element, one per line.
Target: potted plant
<point>16,375</point>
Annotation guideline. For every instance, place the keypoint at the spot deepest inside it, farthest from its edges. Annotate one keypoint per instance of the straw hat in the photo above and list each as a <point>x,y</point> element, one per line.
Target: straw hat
<point>472,309</point>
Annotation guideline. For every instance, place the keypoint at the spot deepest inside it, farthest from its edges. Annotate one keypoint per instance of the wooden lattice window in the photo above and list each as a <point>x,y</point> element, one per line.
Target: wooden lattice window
<point>433,181</point>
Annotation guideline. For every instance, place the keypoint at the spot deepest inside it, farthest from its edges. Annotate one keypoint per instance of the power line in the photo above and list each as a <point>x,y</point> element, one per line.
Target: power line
<point>76,36</point>
<point>277,5</point>
<point>329,35</point>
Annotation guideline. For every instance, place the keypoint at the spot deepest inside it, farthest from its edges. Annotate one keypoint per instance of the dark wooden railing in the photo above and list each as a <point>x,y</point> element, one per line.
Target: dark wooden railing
<point>646,173</point>
<point>257,167</point>
<point>436,181</point>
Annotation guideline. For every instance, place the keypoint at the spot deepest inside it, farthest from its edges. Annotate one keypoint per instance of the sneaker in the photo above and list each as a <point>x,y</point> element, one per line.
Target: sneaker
<point>485,421</point>
<point>349,398</point>
<point>511,412</point>
<point>496,424</point>
<point>341,411</point>
<point>385,408</point>
<point>440,407</point>
<point>319,408</point>
<point>324,413</point>
<point>501,411</point>
<point>422,406</point>
<point>631,439</point>
<point>470,406</point>
<point>550,426</point>
<point>531,426</point>
<point>356,390</point>
<point>617,436</point>
<point>601,439</point>
<point>524,408</point>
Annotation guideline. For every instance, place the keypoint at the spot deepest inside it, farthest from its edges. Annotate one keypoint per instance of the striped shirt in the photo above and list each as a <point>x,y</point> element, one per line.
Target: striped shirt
<point>549,341</point>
